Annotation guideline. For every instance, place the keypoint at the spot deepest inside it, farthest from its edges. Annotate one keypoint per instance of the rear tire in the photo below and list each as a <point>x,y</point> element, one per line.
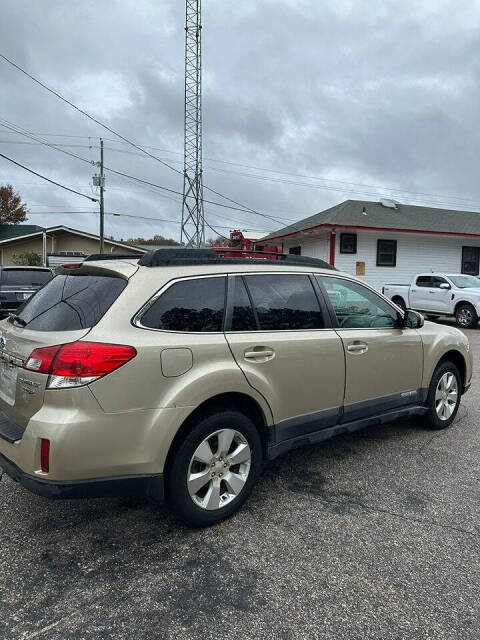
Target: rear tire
<point>444,396</point>
<point>466,316</point>
<point>213,469</point>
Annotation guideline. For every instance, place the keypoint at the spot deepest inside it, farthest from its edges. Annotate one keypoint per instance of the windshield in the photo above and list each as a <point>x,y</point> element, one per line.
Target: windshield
<point>26,277</point>
<point>465,282</point>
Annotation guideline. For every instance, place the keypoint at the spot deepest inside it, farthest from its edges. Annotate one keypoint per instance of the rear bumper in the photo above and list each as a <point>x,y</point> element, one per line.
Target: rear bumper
<point>150,486</point>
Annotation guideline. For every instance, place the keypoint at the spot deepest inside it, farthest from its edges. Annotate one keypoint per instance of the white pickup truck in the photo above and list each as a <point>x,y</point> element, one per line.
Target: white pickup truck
<point>440,294</point>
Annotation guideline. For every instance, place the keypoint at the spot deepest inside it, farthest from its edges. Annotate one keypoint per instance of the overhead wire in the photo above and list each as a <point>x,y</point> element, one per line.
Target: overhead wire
<point>115,133</point>
<point>58,184</point>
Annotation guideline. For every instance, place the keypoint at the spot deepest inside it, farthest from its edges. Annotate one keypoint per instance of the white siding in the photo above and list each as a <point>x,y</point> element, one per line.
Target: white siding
<point>415,253</point>
<point>312,248</point>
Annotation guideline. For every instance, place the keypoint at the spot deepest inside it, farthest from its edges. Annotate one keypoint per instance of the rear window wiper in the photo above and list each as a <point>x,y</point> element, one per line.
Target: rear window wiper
<point>17,319</point>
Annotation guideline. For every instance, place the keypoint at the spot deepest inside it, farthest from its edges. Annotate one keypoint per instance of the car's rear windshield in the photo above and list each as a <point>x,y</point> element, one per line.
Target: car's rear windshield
<point>26,277</point>
<point>68,303</point>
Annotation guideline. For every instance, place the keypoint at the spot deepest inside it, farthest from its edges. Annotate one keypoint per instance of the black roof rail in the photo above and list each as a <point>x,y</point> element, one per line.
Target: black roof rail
<point>185,257</point>
<point>109,256</point>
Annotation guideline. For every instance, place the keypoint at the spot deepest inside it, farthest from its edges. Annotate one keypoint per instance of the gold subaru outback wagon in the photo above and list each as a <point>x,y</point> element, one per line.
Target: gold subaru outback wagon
<point>175,376</point>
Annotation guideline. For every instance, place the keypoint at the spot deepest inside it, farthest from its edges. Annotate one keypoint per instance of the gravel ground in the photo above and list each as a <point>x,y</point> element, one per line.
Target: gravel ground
<point>372,535</point>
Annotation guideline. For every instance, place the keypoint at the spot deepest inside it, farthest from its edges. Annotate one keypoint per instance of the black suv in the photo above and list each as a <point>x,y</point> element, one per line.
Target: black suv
<point>17,284</point>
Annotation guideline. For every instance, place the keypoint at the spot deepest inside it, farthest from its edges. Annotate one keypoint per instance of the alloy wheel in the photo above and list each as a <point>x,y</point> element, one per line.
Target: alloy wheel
<point>219,469</point>
<point>446,396</point>
<point>464,317</point>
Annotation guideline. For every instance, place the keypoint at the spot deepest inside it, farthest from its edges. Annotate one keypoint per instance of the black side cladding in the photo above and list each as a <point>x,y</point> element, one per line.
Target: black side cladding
<point>185,257</point>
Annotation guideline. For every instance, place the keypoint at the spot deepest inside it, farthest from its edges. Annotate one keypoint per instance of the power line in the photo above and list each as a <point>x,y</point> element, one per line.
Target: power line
<point>444,197</point>
<point>83,112</point>
<point>124,215</point>
<point>23,132</point>
<point>19,130</point>
<point>47,179</point>
<point>215,231</point>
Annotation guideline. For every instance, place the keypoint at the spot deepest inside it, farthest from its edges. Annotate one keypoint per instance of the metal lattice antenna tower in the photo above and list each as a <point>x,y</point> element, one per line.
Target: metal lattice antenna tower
<point>193,222</point>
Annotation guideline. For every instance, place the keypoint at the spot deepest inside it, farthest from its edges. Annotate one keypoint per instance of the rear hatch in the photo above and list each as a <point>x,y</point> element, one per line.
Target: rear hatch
<point>62,312</point>
<point>18,284</point>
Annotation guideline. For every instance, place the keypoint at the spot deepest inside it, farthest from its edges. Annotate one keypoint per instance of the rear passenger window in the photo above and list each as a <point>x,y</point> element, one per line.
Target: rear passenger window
<point>243,318</point>
<point>189,305</point>
<point>68,303</point>
<point>285,302</point>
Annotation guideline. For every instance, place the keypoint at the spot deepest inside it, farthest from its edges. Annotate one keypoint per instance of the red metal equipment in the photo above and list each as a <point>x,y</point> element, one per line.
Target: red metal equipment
<point>241,247</point>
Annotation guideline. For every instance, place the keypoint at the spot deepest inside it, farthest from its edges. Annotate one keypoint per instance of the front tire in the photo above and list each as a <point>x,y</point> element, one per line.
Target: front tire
<point>444,396</point>
<point>400,302</point>
<point>466,316</point>
<point>213,469</point>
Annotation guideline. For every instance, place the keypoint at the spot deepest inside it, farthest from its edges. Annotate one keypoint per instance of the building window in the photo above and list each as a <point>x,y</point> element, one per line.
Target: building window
<point>295,251</point>
<point>470,260</point>
<point>386,253</point>
<point>348,243</point>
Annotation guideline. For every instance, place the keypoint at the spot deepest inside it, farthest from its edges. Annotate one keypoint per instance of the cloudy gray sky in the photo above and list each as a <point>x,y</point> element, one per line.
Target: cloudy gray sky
<point>306,103</point>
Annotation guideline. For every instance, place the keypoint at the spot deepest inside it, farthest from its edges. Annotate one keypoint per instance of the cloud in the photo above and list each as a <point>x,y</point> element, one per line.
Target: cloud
<point>376,93</point>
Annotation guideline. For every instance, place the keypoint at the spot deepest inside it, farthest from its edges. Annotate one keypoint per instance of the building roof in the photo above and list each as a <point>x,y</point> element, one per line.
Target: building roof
<point>387,215</point>
<point>30,231</point>
<point>12,230</point>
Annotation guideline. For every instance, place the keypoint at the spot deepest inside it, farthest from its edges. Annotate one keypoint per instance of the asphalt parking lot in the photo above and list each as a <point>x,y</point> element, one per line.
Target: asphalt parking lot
<point>371,535</point>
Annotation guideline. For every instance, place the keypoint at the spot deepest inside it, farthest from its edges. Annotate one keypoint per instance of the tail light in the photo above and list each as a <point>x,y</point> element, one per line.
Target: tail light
<point>78,363</point>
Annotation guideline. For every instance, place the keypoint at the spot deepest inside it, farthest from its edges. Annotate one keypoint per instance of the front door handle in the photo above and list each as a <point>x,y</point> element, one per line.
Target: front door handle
<point>357,347</point>
<point>259,354</point>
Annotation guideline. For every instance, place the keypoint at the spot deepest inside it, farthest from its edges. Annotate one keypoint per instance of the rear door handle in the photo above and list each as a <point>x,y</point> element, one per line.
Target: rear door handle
<point>357,347</point>
<point>259,354</point>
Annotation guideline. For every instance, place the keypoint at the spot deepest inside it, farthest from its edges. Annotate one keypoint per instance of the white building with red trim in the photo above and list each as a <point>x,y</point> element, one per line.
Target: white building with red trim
<point>385,242</point>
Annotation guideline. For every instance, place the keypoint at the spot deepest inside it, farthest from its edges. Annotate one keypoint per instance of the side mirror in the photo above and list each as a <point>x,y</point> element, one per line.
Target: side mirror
<point>413,319</point>
<point>445,285</point>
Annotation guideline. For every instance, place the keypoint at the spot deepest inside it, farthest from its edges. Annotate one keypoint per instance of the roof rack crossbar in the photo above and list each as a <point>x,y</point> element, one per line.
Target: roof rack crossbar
<point>186,257</point>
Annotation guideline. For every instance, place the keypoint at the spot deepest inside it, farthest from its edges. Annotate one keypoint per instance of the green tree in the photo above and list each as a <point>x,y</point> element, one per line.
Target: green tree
<point>12,209</point>
<point>28,258</point>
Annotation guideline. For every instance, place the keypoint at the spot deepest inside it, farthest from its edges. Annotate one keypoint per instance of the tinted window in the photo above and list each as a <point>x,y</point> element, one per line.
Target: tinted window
<point>189,305</point>
<point>356,307</point>
<point>68,303</point>
<point>348,243</point>
<point>25,277</point>
<point>243,318</point>
<point>436,282</point>
<point>285,302</point>
<point>424,281</point>
<point>470,260</point>
<point>386,253</point>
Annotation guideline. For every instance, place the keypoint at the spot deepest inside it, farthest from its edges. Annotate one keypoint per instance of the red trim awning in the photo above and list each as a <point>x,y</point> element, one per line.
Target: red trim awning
<point>330,227</point>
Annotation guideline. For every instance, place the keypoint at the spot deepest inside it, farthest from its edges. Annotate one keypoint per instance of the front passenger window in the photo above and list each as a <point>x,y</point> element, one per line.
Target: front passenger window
<point>284,302</point>
<point>356,307</point>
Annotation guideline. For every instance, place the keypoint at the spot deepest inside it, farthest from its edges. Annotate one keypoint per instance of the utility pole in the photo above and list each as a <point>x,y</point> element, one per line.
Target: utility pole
<point>193,221</point>
<point>99,181</point>
<point>102,208</point>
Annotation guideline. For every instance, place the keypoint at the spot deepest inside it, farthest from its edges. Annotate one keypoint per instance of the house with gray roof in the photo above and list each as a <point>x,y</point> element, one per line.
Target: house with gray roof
<point>386,241</point>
